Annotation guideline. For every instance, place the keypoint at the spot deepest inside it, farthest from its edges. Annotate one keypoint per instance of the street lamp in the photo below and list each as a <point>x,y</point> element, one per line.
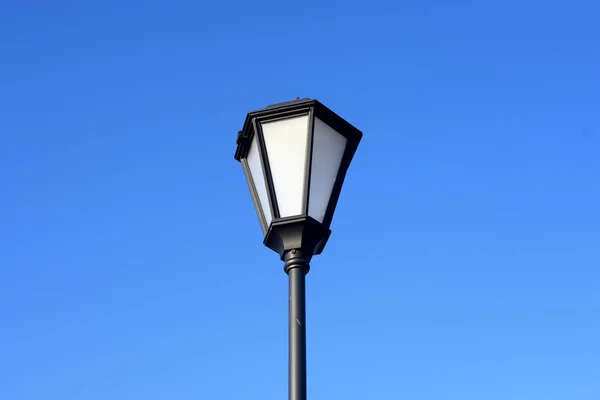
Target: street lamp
<point>295,156</point>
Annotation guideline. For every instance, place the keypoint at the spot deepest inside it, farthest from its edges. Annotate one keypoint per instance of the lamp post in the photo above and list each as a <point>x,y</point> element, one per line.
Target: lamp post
<point>295,156</point>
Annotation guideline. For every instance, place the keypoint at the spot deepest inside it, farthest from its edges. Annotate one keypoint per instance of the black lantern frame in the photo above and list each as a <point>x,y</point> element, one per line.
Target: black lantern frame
<point>299,232</point>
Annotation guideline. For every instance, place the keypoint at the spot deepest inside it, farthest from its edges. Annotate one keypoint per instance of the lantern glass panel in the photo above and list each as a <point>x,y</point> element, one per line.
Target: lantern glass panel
<point>256,172</point>
<point>328,150</point>
<point>286,143</point>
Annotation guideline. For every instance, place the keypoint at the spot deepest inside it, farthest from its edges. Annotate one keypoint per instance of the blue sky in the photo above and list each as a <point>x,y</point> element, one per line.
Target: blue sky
<point>464,258</point>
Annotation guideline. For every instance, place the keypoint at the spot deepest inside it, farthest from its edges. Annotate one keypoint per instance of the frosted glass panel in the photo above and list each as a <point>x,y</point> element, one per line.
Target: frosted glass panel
<point>328,149</point>
<point>258,178</point>
<point>286,142</point>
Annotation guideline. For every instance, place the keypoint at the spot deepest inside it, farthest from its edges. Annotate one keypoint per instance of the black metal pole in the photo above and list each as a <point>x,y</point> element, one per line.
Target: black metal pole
<point>296,266</point>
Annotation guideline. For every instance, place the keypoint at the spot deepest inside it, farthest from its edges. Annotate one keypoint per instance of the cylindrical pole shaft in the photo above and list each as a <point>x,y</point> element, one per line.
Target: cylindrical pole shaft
<point>297,327</point>
<point>297,267</point>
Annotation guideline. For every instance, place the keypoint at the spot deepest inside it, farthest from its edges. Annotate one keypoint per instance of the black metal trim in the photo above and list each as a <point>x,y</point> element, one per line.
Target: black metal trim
<point>255,197</point>
<point>284,115</point>
<point>283,107</point>
<point>266,170</point>
<point>291,219</point>
<point>308,162</point>
<point>243,145</point>
<point>297,233</point>
<point>336,122</point>
<point>293,107</point>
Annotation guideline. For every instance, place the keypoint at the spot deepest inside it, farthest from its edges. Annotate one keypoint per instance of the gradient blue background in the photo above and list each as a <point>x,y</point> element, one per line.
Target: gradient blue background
<point>464,261</point>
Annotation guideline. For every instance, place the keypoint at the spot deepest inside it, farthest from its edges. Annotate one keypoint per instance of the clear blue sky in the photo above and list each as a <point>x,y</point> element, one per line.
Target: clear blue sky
<point>464,261</point>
